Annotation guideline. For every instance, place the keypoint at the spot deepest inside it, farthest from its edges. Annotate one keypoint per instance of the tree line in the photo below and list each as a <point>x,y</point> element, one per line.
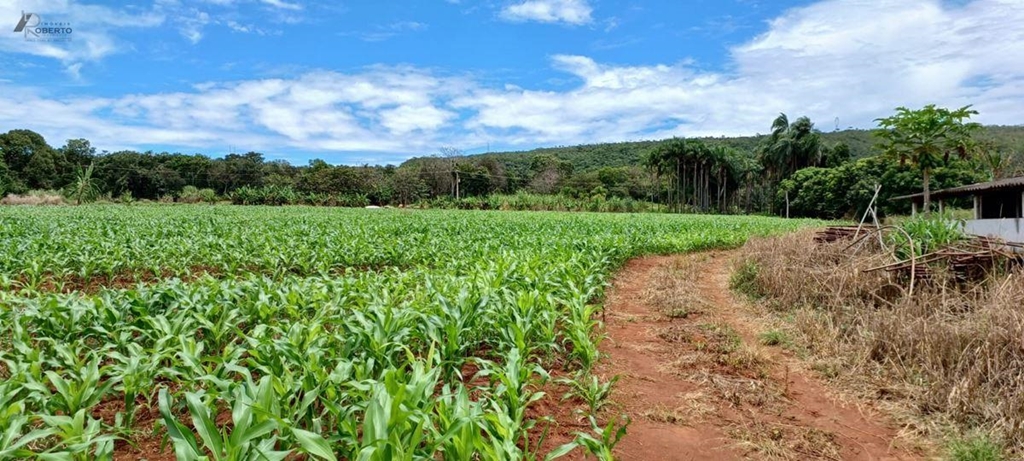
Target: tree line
<point>794,168</point>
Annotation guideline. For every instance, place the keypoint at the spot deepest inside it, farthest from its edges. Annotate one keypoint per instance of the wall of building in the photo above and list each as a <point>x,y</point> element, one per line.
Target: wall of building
<point>1011,230</point>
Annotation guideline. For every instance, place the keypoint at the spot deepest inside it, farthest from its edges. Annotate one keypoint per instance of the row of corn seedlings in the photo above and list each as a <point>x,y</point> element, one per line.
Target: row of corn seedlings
<point>50,246</point>
<point>324,333</point>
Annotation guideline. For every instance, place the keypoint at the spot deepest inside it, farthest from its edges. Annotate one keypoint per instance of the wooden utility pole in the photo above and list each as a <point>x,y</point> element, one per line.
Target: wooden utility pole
<point>453,154</point>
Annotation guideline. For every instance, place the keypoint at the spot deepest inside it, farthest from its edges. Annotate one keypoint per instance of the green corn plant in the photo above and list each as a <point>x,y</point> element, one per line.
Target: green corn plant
<point>363,322</point>
<point>18,435</point>
<point>16,431</point>
<point>78,390</point>
<point>80,438</point>
<point>314,444</point>
<point>455,330</point>
<point>582,335</point>
<point>396,419</point>
<point>458,422</point>
<point>600,442</point>
<point>512,393</point>
<point>590,390</point>
<point>381,331</point>
<point>248,439</point>
<point>136,371</point>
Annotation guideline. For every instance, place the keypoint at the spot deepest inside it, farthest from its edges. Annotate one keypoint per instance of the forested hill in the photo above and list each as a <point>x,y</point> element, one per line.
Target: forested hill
<point>589,157</point>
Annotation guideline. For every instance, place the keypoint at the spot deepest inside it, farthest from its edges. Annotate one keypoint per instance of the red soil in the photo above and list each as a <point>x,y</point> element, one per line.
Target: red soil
<point>649,389</point>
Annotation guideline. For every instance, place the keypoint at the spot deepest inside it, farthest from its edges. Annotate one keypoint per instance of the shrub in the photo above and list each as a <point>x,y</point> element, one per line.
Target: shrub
<point>977,448</point>
<point>744,280</point>
<point>208,195</point>
<point>189,194</point>
<point>524,201</point>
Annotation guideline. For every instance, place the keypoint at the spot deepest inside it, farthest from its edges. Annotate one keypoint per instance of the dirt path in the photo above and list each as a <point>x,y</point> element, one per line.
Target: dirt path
<point>699,385</point>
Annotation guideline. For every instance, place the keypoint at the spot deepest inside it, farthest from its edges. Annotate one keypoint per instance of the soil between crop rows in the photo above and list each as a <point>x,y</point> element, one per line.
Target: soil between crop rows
<point>697,386</point>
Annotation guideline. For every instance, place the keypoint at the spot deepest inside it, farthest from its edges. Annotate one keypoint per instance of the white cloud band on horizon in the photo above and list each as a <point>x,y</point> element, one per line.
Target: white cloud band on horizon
<point>835,58</point>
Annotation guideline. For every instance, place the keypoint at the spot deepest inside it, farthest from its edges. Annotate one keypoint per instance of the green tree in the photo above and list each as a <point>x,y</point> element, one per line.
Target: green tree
<point>42,169</point>
<point>407,185</point>
<point>78,152</point>
<point>667,159</point>
<point>32,162</point>
<point>927,137</point>
<point>835,155</point>
<point>17,147</point>
<point>234,171</point>
<point>548,173</point>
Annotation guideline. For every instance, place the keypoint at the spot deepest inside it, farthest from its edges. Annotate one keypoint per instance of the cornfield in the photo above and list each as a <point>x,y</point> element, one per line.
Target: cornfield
<point>245,333</point>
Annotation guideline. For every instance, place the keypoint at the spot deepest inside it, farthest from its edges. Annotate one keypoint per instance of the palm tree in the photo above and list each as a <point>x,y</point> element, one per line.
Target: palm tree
<point>667,159</point>
<point>789,148</point>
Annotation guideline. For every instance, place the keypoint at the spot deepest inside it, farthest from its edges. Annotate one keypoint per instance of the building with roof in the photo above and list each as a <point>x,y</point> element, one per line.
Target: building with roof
<point>998,206</point>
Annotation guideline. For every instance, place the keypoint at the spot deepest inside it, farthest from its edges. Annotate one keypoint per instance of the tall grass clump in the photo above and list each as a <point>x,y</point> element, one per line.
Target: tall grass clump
<point>926,233</point>
<point>34,197</point>
<point>949,357</point>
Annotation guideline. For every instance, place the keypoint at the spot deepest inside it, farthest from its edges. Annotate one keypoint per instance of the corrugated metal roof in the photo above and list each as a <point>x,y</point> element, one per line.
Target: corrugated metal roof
<point>971,189</point>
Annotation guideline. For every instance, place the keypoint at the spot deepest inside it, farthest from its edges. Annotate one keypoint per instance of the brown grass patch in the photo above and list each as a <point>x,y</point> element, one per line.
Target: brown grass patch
<point>776,441</point>
<point>671,291</point>
<point>948,353</point>
<point>33,198</point>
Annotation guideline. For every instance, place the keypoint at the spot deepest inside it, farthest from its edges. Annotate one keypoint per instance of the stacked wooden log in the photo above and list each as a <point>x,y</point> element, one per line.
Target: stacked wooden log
<point>970,260</point>
<point>834,233</point>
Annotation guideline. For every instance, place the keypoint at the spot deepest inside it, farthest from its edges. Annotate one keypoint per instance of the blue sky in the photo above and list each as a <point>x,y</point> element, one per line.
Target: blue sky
<point>380,81</point>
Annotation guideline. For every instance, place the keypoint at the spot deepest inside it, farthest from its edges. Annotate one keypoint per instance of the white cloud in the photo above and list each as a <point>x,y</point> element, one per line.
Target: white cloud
<point>851,59</point>
<point>282,4</point>
<point>380,33</point>
<point>192,23</point>
<point>93,26</point>
<point>382,109</point>
<point>568,11</point>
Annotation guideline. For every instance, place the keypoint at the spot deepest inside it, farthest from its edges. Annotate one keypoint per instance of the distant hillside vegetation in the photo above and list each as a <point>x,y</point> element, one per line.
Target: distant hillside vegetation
<point>590,157</point>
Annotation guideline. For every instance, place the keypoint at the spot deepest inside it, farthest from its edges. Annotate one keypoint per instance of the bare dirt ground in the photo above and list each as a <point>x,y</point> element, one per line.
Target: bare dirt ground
<point>699,384</point>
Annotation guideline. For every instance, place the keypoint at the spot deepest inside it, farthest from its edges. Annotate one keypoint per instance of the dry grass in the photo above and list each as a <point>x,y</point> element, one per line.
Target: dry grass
<point>695,408</point>
<point>709,351</point>
<point>775,441</point>
<point>739,391</point>
<point>669,290</point>
<point>946,356</point>
<point>34,198</point>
